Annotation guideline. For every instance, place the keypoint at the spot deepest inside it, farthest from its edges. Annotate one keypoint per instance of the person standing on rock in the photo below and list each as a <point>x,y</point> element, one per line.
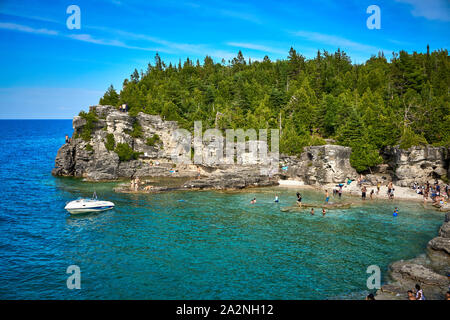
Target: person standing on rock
<point>419,293</point>
<point>327,196</point>
<point>340,191</point>
<point>299,199</point>
<point>136,184</point>
<point>378,187</point>
<point>363,192</point>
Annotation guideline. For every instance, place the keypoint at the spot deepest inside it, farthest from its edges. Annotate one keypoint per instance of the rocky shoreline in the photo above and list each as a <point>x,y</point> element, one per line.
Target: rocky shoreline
<point>429,270</point>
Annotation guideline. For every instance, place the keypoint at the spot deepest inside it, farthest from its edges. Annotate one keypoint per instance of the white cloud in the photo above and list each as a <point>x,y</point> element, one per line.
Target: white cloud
<point>256,47</point>
<point>430,9</point>
<point>23,28</point>
<point>343,43</point>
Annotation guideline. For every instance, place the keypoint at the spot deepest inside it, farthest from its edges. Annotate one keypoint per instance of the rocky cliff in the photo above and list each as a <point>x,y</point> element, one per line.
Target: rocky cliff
<point>429,271</point>
<point>319,165</point>
<point>418,164</point>
<point>153,141</point>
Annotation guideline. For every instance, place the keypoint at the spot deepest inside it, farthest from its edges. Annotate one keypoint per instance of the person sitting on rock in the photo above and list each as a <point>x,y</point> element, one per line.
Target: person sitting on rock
<point>67,139</point>
<point>411,295</point>
<point>370,296</point>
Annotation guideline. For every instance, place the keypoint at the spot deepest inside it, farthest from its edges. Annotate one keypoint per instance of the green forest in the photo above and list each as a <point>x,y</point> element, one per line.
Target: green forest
<point>402,100</point>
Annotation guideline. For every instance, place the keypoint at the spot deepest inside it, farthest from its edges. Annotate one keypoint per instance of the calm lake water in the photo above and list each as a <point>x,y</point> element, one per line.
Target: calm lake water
<point>184,245</point>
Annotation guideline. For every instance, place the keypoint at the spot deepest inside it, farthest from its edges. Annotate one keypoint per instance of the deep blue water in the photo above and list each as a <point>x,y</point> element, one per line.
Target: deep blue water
<point>211,245</point>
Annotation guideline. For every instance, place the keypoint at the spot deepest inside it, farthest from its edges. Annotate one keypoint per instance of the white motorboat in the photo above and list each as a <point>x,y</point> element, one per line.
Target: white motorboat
<point>88,205</point>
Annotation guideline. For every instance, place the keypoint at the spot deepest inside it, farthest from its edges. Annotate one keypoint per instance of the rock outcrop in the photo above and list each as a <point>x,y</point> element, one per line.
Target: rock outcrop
<point>418,164</point>
<point>319,165</point>
<point>429,271</point>
<point>92,159</point>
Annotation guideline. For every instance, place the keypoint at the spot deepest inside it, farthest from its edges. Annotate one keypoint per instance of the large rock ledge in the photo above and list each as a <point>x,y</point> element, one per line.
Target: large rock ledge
<point>317,165</point>
<point>429,271</point>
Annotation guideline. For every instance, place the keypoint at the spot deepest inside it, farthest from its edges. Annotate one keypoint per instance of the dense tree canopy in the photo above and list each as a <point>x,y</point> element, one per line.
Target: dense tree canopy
<point>366,106</point>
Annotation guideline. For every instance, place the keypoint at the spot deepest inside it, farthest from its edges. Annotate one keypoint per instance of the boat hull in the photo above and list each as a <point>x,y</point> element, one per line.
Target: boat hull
<point>86,206</point>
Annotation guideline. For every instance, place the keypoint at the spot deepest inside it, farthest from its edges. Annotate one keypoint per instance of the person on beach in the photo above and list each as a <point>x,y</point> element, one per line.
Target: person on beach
<point>327,196</point>
<point>323,212</point>
<point>363,192</point>
<point>411,295</point>
<point>391,195</point>
<point>312,211</point>
<point>419,293</point>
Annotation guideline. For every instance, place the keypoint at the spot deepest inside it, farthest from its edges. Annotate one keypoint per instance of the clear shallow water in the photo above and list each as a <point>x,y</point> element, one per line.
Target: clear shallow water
<point>210,245</point>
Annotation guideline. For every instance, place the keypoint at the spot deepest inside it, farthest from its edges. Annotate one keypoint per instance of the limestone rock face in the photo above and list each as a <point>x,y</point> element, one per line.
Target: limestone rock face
<point>320,165</point>
<point>407,271</point>
<point>444,231</point>
<point>419,164</point>
<point>93,161</point>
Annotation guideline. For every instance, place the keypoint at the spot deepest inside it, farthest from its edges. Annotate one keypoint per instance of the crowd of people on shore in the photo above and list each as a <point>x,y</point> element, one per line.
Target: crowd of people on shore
<point>436,192</point>
<point>414,294</point>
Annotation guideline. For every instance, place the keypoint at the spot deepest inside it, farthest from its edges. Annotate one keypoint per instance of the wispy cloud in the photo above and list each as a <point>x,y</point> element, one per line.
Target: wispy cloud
<point>256,47</point>
<point>430,9</point>
<point>336,41</point>
<point>106,42</point>
<point>171,46</point>
<point>164,45</point>
<point>240,15</point>
<point>23,28</point>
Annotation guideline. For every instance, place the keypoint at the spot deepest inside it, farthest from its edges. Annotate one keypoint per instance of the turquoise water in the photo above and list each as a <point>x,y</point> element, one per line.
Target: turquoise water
<point>210,245</point>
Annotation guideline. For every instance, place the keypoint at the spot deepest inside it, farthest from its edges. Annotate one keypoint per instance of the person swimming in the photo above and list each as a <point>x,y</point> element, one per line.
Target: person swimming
<point>395,212</point>
<point>276,199</point>
<point>312,211</point>
<point>253,201</point>
<point>323,212</point>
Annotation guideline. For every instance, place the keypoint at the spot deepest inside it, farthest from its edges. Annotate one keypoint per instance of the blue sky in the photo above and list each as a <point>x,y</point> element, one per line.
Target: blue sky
<point>49,71</point>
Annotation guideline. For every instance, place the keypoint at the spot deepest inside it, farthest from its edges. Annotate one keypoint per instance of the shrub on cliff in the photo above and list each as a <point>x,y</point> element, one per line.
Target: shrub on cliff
<point>155,139</point>
<point>91,119</point>
<point>137,130</point>
<point>125,152</point>
<point>110,142</point>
